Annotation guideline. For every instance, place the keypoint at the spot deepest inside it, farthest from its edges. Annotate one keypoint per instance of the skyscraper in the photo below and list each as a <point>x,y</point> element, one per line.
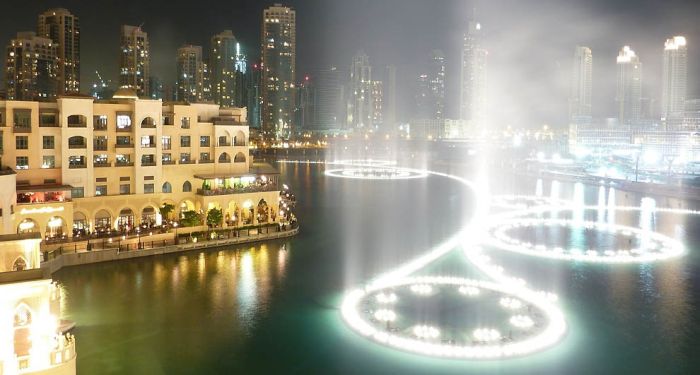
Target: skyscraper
<point>254,95</point>
<point>431,88</point>
<point>31,69</point>
<point>63,29</point>
<point>278,54</point>
<point>674,78</point>
<point>628,98</point>
<point>390,98</point>
<point>240,94</point>
<point>190,74</point>
<point>135,60</point>
<point>329,99</point>
<point>473,77</point>
<point>305,112</point>
<point>581,86</point>
<point>377,103</point>
<point>222,67</point>
<point>359,112</point>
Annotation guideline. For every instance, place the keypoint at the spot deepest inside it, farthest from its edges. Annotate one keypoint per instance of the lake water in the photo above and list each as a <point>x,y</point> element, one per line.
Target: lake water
<point>273,307</point>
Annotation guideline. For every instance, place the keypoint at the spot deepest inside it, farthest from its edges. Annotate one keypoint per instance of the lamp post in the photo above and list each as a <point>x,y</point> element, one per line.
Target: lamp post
<point>175,226</point>
<point>138,235</point>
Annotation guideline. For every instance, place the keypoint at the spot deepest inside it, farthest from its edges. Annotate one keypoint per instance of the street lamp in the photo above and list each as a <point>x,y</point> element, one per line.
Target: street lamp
<point>175,226</point>
<point>138,235</point>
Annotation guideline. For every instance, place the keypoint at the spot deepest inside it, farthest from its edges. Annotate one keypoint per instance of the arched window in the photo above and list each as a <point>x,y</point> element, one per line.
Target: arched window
<point>167,188</point>
<point>224,158</point>
<point>239,139</point>
<point>240,158</point>
<point>77,142</point>
<point>148,122</point>
<point>20,264</point>
<point>187,187</point>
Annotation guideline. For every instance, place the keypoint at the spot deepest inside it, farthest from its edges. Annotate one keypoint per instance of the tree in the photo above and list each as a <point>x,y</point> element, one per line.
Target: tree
<point>214,217</point>
<point>165,210</point>
<point>190,219</point>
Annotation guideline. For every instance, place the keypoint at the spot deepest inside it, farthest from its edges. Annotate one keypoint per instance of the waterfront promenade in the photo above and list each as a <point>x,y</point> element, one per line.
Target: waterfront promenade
<point>74,254</point>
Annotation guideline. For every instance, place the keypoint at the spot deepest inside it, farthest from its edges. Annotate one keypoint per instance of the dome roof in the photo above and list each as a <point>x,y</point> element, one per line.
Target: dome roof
<point>125,93</point>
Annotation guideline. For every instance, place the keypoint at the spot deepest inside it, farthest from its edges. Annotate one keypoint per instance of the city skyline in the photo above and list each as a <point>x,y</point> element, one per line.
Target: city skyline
<point>503,34</point>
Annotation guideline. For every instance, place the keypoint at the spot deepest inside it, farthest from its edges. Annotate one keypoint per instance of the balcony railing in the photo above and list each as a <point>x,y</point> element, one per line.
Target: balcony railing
<point>124,145</point>
<point>99,147</point>
<point>206,161</point>
<point>100,127</point>
<point>105,164</point>
<point>191,161</point>
<point>148,163</point>
<point>22,129</point>
<point>238,190</point>
<point>124,163</point>
<point>77,166</point>
<point>148,145</point>
<point>77,125</point>
<point>168,162</point>
<point>124,130</point>
<point>77,145</point>
<point>224,144</point>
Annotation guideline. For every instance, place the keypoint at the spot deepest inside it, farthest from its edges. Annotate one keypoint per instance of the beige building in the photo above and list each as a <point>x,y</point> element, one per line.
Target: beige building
<point>32,338</point>
<point>95,166</point>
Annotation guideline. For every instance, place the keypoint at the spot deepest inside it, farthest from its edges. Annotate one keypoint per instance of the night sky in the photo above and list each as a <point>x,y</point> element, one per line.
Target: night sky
<point>530,42</point>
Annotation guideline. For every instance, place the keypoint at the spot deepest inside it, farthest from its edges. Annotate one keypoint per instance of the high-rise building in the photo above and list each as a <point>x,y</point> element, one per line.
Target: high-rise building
<point>359,112</point>
<point>305,112</point>
<point>581,86</point>
<point>278,54</point>
<point>473,77</point>
<point>628,98</point>
<point>674,79</point>
<point>222,67</point>
<point>190,74</point>
<point>135,60</point>
<point>240,93</point>
<point>156,89</point>
<point>254,95</point>
<point>430,101</point>
<point>377,98</point>
<point>31,69</point>
<point>390,98</point>
<point>63,28</point>
<point>329,99</point>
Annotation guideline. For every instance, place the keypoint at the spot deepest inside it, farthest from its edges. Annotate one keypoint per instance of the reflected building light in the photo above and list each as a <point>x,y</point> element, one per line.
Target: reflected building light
<point>247,290</point>
<point>611,205</point>
<point>554,196</point>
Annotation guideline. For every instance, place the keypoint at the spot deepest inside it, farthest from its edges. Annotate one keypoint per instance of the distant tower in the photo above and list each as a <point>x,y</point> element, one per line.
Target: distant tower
<point>581,86</point>
<point>430,101</point>
<point>135,61</point>
<point>190,74</point>
<point>628,98</point>
<point>254,95</point>
<point>222,67</point>
<point>63,29</point>
<point>278,53</point>
<point>31,68</point>
<point>473,77</point>
<point>359,93</point>
<point>390,98</point>
<point>329,99</point>
<point>675,78</point>
<point>377,103</point>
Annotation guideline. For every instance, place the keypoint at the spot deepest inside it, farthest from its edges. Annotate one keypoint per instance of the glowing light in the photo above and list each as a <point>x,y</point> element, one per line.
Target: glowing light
<point>386,298</point>
<point>486,334</point>
<point>41,210</point>
<point>426,332</point>
<point>385,315</point>
<point>469,291</point>
<point>522,321</point>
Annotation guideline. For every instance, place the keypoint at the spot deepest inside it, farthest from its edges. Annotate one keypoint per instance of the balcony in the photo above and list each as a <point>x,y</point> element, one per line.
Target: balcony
<point>101,164</point>
<point>148,163</point>
<point>99,147</point>
<point>124,130</point>
<point>100,127</point>
<point>124,163</point>
<point>22,129</point>
<point>238,190</point>
<point>148,145</point>
<point>224,144</point>
<point>77,166</point>
<point>124,145</point>
<point>77,125</point>
<point>77,121</point>
<point>188,161</point>
<point>206,161</point>
<point>77,145</point>
<point>168,162</point>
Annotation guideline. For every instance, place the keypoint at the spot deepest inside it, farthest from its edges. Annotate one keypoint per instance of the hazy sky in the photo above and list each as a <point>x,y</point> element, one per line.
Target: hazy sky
<point>530,42</point>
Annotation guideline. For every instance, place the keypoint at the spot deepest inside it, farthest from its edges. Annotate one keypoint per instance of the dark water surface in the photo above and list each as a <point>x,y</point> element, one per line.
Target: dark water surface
<point>272,307</point>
